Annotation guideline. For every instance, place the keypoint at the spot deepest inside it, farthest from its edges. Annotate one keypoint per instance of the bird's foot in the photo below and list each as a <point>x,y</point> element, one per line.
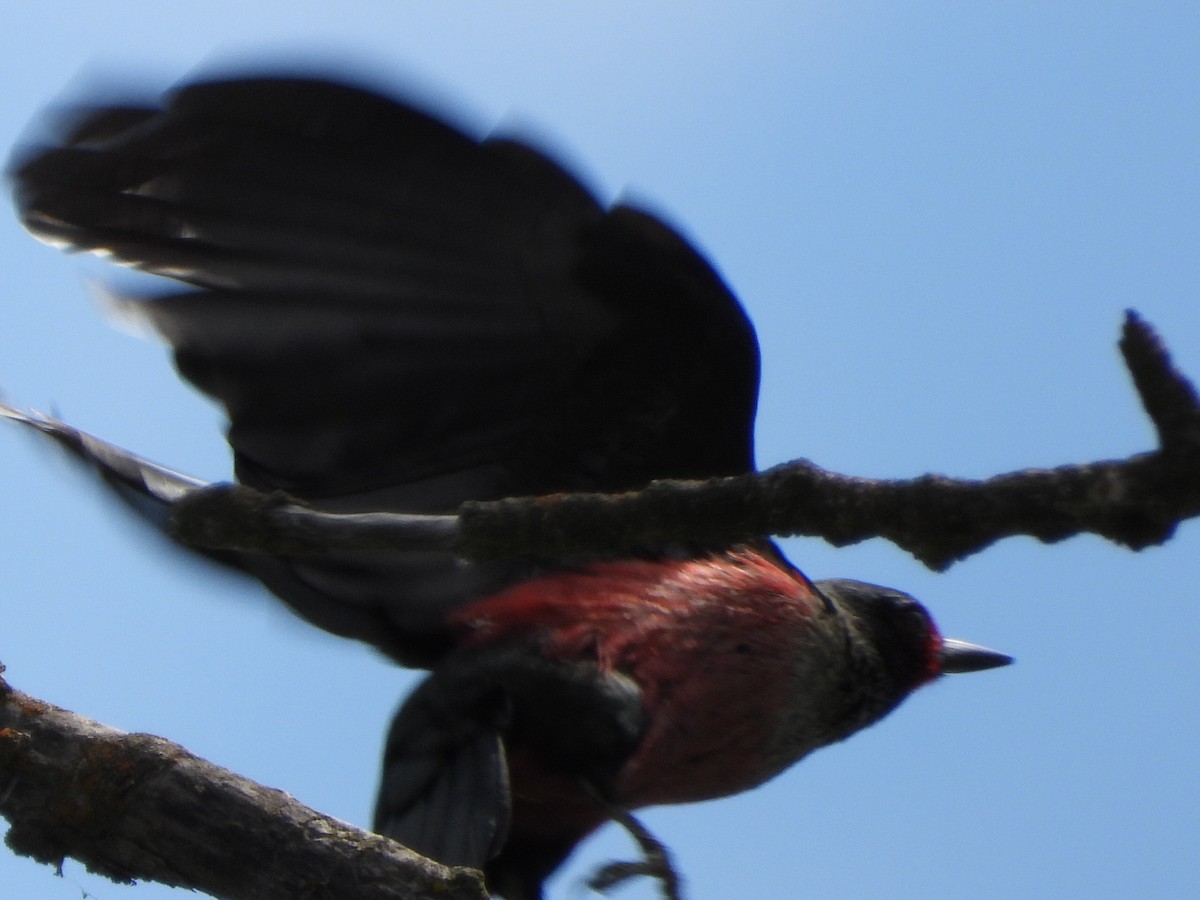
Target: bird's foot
<point>655,862</point>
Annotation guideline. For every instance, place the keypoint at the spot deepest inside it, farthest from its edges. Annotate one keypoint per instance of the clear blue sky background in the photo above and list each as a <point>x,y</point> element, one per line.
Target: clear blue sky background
<point>935,214</point>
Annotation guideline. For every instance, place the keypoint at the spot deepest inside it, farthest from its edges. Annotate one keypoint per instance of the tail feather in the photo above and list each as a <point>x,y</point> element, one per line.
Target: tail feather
<point>147,486</point>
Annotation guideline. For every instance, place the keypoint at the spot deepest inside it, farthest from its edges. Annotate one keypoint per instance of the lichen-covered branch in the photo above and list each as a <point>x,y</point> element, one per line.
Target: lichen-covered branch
<point>138,807</point>
<point>1135,502</point>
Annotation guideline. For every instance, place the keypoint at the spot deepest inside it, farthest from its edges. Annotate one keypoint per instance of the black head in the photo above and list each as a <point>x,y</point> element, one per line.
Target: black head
<point>904,635</point>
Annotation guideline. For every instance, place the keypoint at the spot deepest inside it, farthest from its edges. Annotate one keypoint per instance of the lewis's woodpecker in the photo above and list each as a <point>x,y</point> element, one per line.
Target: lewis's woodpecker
<point>399,317</point>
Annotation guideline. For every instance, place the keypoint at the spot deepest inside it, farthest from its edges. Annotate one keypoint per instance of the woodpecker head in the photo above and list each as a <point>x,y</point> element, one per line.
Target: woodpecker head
<point>895,645</point>
<point>903,633</point>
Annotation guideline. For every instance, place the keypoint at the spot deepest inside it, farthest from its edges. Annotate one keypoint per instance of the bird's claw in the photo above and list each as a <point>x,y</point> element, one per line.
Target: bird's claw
<point>655,862</point>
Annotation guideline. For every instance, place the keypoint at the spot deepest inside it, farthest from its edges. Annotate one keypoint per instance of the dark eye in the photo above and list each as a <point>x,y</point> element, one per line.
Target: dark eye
<point>912,622</point>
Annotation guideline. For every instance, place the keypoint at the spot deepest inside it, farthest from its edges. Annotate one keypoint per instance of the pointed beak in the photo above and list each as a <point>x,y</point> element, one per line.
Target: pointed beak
<point>959,656</point>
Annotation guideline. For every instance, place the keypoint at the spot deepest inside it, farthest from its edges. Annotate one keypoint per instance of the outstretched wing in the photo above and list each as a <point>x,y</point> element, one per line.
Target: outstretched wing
<point>398,316</point>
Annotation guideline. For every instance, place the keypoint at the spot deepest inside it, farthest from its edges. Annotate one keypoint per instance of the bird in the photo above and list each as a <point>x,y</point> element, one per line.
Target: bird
<point>399,315</point>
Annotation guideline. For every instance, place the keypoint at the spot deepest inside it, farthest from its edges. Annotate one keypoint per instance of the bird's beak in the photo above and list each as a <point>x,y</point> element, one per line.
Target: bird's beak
<point>959,656</point>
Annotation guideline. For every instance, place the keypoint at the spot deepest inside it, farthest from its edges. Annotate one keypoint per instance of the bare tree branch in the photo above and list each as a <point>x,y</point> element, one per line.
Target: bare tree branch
<point>1135,502</point>
<point>135,806</point>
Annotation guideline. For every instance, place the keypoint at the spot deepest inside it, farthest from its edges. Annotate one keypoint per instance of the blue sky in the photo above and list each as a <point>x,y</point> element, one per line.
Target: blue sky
<point>935,214</point>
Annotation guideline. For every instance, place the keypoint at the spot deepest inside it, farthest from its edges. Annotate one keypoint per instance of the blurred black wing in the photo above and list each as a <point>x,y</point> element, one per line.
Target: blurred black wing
<point>397,316</point>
